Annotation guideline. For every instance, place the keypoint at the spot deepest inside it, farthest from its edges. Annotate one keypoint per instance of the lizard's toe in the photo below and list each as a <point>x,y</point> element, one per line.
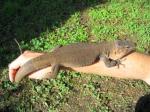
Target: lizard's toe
<point>119,62</point>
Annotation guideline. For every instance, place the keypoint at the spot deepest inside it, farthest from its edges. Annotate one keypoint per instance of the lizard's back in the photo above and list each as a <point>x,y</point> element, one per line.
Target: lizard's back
<point>76,55</point>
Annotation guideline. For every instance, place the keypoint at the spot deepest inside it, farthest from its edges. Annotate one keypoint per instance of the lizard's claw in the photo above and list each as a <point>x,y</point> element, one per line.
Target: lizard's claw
<point>119,62</point>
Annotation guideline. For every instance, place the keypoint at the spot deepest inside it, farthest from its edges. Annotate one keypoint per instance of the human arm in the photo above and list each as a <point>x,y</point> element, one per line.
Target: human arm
<point>136,66</point>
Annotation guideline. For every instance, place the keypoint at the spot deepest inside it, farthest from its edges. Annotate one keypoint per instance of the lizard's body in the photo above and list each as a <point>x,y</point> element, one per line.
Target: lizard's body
<point>77,55</point>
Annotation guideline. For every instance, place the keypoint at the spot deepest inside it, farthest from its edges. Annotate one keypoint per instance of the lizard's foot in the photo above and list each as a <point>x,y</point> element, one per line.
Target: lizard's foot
<point>109,62</point>
<point>119,62</point>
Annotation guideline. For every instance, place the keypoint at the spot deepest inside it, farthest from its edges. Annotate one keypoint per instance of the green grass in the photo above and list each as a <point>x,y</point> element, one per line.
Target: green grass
<point>42,25</point>
<point>118,20</point>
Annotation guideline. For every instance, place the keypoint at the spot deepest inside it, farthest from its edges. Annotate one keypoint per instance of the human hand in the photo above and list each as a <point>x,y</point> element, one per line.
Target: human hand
<point>18,62</point>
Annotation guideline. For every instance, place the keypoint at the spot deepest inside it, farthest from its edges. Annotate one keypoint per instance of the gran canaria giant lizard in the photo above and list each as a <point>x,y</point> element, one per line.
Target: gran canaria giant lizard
<point>78,55</point>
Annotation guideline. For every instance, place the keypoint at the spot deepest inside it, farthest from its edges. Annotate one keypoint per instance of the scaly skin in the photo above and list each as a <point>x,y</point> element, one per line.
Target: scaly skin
<point>78,55</point>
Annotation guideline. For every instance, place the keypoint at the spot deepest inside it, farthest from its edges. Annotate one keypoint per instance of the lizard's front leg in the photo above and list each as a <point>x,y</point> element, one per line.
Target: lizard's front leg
<point>119,62</point>
<point>108,61</point>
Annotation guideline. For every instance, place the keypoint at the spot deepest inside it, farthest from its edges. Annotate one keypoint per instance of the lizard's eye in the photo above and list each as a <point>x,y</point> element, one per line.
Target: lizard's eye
<point>127,46</point>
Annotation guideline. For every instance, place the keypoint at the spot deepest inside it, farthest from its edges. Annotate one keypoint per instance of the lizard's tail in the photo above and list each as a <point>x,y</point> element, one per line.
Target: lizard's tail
<point>32,66</point>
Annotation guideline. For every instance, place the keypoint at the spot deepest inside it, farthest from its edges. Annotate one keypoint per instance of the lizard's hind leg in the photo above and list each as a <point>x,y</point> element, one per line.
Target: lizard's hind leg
<point>55,70</point>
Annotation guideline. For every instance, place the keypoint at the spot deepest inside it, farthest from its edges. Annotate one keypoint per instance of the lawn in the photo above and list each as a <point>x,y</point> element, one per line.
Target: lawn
<point>40,25</point>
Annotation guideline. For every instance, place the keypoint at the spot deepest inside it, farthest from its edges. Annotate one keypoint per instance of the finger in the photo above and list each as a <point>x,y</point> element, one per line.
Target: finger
<point>15,65</point>
<point>41,74</point>
<point>12,73</point>
<point>27,55</point>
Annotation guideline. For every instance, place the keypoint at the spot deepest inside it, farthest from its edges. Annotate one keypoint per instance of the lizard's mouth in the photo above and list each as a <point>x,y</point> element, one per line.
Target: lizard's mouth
<point>129,51</point>
<point>119,53</point>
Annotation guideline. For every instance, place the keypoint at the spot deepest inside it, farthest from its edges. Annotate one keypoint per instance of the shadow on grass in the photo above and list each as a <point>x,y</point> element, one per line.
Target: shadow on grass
<point>27,19</point>
<point>143,104</point>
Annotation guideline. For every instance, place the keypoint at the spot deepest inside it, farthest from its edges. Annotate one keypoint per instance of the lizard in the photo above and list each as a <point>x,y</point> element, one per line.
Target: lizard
<point>78,55</point>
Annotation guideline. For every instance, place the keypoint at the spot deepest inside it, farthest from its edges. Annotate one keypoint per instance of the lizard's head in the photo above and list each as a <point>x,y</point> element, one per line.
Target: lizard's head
<point>122,48</point>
